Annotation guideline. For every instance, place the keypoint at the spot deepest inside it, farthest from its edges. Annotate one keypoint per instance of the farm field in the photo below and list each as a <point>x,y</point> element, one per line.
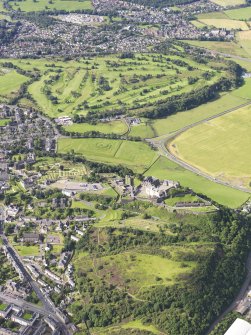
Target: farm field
<point>136,155</point>
<point>115,127</point>
<point>229,48</point>
<point>239,14</point>
<point>165,169</point>
<point>225,23</point>
<point>111,83</point>
<point>159,127</point>
<point>244,40</point>
<point>226,3</point>
<point>217,148</point>
<point>43,5</point>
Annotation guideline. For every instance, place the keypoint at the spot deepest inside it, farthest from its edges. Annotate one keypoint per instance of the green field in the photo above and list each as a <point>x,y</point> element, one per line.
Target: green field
<point>165,169</point>
<point>226,3</point>
<point>27,250</point>
<point>159,127</point>
<point>111,83</point>
<point>10,82</point>
<point>115,127</point>
<point>136,155</point>
<point>43,5</point>
<point>219,147</point>
<point>239,14</point>
<point>4,122</point>
<point>143,270</point>
<point>225,23</point>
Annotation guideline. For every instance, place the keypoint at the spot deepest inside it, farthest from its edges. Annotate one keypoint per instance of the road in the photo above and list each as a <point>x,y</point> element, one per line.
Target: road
<point>160,143</point>
<point>47,303</point>
<point>237,299</point>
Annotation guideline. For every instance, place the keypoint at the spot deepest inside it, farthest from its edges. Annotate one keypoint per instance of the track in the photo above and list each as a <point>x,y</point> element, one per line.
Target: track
<point>160,143</point>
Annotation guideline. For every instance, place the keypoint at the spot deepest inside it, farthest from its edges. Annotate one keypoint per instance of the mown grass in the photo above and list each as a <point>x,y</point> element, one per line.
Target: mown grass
<point>10,82</point>
<point>136,155</point>
<point>165,169</point>
<point>239,14</point>
<point>219,147</point>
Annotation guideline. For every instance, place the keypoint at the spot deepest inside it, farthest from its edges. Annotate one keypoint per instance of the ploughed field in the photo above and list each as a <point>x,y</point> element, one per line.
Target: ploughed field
<point>112,83</point>
<point>219,147</point>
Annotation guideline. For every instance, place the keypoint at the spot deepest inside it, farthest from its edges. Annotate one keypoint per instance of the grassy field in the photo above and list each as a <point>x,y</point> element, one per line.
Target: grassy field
<point>41,5</point>
<point>219,147</point>
<point>244,40</point>
<point>165,169</point>
<point>115,127</point>
<point>27,250</point>
<point>136,155</point>
<point>10,82</point>
<point>112,83</point>
<point>239,14</point>
<point>225,23</point>
<point>226,3</point>
<point>142,270</point>
<point>231,48</point>
<point>4,122</point>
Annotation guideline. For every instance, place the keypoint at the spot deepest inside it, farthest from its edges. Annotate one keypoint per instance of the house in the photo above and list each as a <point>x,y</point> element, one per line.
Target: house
<point>30,238</point>
<point>239,327</point>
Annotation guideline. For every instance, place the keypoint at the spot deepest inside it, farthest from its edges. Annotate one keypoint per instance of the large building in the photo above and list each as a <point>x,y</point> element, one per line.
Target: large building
<point>239,327</point>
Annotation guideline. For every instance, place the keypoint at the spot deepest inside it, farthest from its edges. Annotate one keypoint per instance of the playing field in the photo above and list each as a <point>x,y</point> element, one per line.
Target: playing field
<point>136,155</point>
<point>41,5</point>
<point>219,147</point>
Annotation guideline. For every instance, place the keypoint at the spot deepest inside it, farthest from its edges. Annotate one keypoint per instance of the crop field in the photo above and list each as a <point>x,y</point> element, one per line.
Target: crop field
<point>43,5</point>
<point>244,40</point>
<point>219,147</point>
<point>115,127</point>
<point>143,270</point>
<point>225,23</point>
<point>165,169</point>
<point>10,82</point>
<point>113,83</point>
<point>136,155</point>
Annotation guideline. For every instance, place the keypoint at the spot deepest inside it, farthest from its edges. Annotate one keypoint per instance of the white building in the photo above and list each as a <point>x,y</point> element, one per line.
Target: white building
<point>239,327</point>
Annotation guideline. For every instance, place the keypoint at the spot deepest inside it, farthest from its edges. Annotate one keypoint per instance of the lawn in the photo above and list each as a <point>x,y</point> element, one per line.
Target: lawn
<point>136,155</point>
<point>115,127</point>
<point>219,147</point>
<point>2,306</point>
<point>165,169</point>
<point>42,5</point>
<point>27,250</point>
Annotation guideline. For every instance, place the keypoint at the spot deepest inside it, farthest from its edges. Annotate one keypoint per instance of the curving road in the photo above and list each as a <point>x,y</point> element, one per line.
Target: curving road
<point>160,143</point>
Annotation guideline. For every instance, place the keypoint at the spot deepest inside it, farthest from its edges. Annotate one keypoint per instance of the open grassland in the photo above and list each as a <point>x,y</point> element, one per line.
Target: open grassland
<point>112,83</point>
<point>225,23</point>
<point>10,82</point>
<point>229,48</point>
<point>136,155</point>
<point>219,147</point>
<point>133,270</point>
<point>165,169</point>
<point>239,14</point>
<point>4,122</point>
<point>43,5</point>
<point>226,3</point>
<point>115,127</point>
<point>212,15</point>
